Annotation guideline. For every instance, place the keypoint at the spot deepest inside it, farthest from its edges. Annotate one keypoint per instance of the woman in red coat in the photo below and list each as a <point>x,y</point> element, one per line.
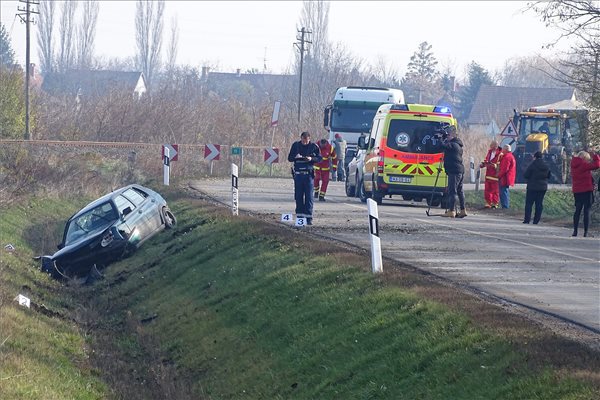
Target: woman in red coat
<point>582,166</point>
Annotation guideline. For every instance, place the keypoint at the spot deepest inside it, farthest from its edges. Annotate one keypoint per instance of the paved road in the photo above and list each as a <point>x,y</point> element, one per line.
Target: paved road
<point>539,266</point>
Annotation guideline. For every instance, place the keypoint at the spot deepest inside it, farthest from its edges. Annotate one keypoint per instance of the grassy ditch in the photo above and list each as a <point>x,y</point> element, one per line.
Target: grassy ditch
<point>44,354</point>
<point>246,310</point>
<point>224,308</point>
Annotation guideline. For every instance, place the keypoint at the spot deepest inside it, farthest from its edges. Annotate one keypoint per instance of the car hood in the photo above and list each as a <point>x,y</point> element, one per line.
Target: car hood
<point>78,244</point>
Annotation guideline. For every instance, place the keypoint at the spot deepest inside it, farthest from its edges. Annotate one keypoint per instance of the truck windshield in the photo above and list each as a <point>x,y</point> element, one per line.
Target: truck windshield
<point>414,136</point>
<point>352,119</point>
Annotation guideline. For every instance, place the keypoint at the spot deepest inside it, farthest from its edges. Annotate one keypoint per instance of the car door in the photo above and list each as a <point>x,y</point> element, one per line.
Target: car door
<point>147,206</point>
<point>132,217</point>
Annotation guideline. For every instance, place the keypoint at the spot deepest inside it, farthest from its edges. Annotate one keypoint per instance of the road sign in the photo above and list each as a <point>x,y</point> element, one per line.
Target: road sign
<point>236,151</point>
<point>271,155</point>
<point>173,151</point>
<point>275,117</point>
<point>509,130</point>
<point>212,152</point>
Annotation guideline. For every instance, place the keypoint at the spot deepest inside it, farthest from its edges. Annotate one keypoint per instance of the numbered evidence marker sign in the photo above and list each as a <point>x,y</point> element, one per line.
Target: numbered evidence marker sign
<point>287,218</point>
<point>23,301</point>
<point>301,222</point>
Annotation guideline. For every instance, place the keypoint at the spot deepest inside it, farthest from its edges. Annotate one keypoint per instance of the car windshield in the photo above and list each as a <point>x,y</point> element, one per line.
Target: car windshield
<point>414,136</point>
<point>96,219</point>
<point>352,119</point>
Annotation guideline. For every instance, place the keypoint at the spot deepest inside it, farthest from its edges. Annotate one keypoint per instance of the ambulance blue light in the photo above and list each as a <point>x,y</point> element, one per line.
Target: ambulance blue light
<point>442,109</point>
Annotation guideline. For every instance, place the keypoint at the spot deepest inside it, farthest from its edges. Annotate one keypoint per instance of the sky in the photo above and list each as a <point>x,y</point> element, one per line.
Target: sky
<point>228,35</point>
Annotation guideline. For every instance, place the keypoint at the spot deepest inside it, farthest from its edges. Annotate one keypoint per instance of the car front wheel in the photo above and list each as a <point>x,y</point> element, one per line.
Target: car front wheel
<point>362,194</point>
<point>350,190</point>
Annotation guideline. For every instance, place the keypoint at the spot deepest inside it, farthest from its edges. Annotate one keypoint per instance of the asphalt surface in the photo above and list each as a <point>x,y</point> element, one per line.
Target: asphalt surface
<point>540,267</point>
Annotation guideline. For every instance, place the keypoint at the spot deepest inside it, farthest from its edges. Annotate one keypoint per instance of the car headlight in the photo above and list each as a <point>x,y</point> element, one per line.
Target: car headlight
<point>107,239</point>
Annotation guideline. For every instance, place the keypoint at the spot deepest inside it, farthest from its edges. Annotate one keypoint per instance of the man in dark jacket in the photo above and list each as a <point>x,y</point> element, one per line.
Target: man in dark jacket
<point>304,154</point>
<point>536,175</point>
<point>453,165</point>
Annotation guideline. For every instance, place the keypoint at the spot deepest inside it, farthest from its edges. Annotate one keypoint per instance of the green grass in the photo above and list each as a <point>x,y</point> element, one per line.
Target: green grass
<point>43,354</point>
<point>558,205</point>
<point>254,312</point>
<point>226,308</point>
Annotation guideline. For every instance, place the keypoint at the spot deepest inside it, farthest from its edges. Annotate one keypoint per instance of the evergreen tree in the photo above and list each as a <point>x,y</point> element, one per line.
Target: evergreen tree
<point>7,55</point>
<point>421,83</point>
<point>476,77</point>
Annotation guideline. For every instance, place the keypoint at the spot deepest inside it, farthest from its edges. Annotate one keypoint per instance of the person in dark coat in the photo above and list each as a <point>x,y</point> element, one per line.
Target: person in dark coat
<point>536,175</point>
<point>304,154</point>
<point>453,165</point>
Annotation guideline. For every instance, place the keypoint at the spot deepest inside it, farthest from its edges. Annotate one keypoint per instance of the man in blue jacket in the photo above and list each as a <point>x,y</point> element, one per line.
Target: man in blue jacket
<point>304,155</point>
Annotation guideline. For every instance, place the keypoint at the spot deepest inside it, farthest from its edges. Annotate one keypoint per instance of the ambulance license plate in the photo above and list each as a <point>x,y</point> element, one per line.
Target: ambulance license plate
<point>401,179</point>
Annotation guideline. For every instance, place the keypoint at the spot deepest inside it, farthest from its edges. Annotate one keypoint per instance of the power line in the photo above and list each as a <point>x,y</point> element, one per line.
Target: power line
<point>301,47</point>
<point>25,14</point>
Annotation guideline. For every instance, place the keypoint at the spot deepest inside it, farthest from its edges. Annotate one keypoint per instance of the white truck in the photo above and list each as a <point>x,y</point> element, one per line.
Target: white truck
<point>353,110</point>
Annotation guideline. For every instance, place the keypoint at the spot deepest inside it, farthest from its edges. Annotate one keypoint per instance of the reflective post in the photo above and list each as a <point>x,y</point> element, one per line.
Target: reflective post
<point>166,166</point>
<point>234,189</point>
<point>376,261</point>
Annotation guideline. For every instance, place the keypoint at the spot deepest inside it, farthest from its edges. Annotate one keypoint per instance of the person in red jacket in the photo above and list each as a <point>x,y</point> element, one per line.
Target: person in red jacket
<point>491,163</point>
<point>582,166</point>
<point>506,175</point>
<point>322,168</point>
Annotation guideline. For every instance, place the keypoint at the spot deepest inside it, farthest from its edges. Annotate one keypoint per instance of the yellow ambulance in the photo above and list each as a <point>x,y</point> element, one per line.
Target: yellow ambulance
<point>403,154</point>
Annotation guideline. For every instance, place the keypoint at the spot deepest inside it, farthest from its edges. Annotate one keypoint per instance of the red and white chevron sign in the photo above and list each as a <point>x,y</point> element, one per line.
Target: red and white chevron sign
<point>212,152</point>
<point>173,151</point>
<point>271,155</point>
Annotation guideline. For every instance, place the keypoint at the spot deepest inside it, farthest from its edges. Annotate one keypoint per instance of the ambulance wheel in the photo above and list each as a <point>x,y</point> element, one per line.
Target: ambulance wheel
<point>378,198</point>
<point>444,202</point>
<point>350,190</point>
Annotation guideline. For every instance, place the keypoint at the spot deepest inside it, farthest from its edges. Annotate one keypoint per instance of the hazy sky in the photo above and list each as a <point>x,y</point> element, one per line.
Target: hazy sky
<point>241,34</point>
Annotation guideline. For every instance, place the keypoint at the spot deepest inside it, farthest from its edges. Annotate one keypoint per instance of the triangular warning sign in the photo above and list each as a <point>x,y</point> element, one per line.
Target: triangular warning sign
<point>509,130</point>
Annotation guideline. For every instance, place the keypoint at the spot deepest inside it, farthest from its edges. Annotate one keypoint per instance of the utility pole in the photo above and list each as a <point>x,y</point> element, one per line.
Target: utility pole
<point>25,15</point>
<point>302,49</point>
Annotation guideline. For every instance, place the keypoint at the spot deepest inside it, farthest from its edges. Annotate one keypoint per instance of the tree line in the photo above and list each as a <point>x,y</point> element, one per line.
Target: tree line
<point>179,108</point>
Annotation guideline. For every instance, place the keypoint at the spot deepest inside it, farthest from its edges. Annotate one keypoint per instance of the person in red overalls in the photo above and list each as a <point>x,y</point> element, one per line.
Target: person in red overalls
<point>322,168</point>
<point>491,162</point>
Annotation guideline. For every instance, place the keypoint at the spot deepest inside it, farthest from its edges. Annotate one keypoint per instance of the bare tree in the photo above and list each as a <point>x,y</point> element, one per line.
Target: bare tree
<point>531,71</point>
<point>579,20</point>
<point>173,44</point>
<point>149,26</point>
<point>45,33</point>
<point>315,17</point>
<point>86,33</point>
<point>66,31</point>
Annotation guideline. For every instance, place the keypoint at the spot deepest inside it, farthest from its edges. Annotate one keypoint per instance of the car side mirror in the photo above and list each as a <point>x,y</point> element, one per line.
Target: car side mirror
<point>362,143</point>
<point>127,211</point>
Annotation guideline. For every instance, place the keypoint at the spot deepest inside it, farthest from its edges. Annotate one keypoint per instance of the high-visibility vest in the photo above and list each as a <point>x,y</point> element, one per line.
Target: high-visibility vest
<point>329,156</point>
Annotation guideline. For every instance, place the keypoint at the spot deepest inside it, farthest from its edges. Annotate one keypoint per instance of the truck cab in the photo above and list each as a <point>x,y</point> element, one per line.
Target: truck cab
<point>353,109</point>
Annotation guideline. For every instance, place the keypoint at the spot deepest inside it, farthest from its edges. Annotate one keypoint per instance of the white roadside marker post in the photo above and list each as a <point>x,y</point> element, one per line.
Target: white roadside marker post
<point>234,189</point>
<point>166,166</point>
<point>472,165</point>
<point>376,261</point>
